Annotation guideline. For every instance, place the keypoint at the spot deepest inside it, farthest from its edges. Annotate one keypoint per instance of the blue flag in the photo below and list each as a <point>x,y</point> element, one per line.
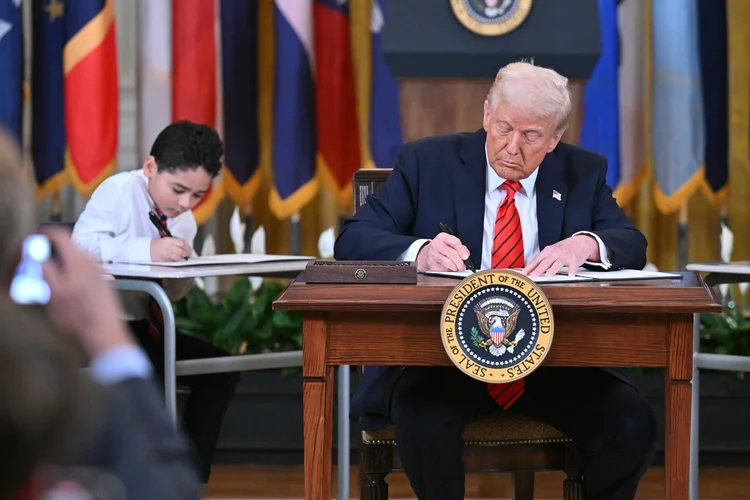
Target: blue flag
<point>239,68</point>
<point>294,152</point>
<point>11,67</point>
<point>713,45</point>
<point>600,129</point>
<point>385,119</point>
<point>47,97</point>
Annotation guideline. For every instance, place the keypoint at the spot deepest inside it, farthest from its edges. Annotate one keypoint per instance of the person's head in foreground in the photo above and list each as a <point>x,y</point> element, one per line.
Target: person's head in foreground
<point>184,159</point>
<point>17,207</point>
<point>526,112</point>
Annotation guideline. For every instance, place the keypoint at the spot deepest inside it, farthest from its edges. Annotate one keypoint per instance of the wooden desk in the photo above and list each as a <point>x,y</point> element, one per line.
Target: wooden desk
<point>596,324</point>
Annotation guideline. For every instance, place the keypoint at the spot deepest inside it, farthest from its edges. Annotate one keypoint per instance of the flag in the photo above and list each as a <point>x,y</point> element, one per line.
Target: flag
<point>91,92</point>
<point>240,84</point>
<point>600,128</point>
<point>335,105</point>
<point>294,137</point>
<point>677,134</point>
<point>48,142</point>
<point>154,72</point>
<point>631,20</point>
<point>194,74</point>
<point>713,43</point>
<point>385,121</point>
<point>11,67</point>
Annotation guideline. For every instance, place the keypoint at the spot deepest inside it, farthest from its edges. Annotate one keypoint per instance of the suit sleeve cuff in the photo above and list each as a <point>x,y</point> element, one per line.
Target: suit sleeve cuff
<point>603,252</point>
<point>121,363</point>
<point>410,254</point>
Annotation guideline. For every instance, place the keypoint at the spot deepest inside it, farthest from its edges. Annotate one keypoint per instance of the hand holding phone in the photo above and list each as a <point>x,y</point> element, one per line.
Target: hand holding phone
<point>81,301</point>
<point>29,286</point>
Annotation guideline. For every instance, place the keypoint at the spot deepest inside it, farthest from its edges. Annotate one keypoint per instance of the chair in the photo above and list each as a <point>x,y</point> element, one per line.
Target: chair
<point>500,442</point>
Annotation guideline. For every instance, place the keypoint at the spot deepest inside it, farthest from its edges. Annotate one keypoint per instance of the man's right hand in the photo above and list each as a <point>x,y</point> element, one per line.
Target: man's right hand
<point>169,249</point>
<point>443,253</point>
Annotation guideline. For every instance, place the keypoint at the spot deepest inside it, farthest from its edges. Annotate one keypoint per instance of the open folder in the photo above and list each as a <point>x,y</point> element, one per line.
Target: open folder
<point>582,275</point>
<point>227,259</point>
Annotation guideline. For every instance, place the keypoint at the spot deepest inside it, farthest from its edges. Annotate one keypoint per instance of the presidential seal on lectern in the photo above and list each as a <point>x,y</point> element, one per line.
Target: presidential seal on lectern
<point>491,17</point>
<point>497,326</point>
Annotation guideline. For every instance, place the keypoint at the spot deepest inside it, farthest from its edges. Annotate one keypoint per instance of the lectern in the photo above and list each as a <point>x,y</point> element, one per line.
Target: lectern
<point>445,69</point>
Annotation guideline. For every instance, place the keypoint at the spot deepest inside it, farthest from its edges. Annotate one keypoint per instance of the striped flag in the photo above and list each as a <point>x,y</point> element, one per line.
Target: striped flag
<point>713,43</point>
<point>240,84</point>
<point>337,127</point>
<point>11,67</point>
<point>631,20</point>
<point>600,128</point>
<point>194,78</point>
<point>294,137</point>
<point>91,92</point>
<point>677,133</point>
<point>385,119</point>
<point>48,142</point>
<point>155,71</point>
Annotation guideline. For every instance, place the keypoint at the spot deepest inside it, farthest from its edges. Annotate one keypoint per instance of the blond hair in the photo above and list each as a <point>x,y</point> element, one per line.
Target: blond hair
<point>17,204</point>
<point>542,91</point>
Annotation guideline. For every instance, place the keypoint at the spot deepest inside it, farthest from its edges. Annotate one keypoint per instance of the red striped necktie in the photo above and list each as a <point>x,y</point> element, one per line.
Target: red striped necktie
<point>507,252</point>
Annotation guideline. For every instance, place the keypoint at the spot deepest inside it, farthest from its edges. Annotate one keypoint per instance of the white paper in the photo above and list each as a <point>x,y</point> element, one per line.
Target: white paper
<point>581,275</point>
<point>226,259</point>
<point>536,279</point>
<point>627,274</point>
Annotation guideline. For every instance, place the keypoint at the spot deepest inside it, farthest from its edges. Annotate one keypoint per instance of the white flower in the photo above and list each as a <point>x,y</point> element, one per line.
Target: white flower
<point>258,241</point>
<point>237,231</point>
<point>209,246</point>
<point>325,243</point>
<point>650,266</point>
<point>209,284</point>
<point>257,247</point>
<point>727,243</point>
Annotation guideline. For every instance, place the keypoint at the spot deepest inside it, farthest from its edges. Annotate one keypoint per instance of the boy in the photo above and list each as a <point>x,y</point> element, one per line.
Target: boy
<point>115,226</point>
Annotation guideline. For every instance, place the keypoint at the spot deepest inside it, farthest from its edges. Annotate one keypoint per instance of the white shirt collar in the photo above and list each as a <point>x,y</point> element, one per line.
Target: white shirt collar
<point>494,181</point>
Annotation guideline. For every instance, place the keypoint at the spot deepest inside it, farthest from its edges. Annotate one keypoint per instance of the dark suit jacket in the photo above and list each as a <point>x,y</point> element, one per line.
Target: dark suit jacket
<point>443,179</point>
<point>134,440</point>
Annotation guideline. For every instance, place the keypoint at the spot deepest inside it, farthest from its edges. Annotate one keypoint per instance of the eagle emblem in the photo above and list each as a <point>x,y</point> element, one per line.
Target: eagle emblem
<point>497,318</point>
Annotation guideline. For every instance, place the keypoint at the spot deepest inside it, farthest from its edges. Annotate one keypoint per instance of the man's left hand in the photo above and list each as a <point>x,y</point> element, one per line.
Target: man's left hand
<point>571,252</point>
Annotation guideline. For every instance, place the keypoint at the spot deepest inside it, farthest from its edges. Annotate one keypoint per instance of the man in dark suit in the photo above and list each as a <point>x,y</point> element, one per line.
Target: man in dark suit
<point>515,197</point>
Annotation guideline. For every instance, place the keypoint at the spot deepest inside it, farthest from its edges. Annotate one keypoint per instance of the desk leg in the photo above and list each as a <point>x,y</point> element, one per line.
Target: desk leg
<point>317,400</point>
<point>170,333</point>
<point>677,406</point>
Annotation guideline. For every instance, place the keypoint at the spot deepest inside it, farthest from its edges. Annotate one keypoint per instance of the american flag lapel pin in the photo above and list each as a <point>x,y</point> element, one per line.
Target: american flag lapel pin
<point>556,195</point>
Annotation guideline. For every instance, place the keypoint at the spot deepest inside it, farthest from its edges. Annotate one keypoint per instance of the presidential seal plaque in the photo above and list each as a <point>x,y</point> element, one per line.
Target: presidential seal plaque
<point>497,326</point>
<point>491,17</point>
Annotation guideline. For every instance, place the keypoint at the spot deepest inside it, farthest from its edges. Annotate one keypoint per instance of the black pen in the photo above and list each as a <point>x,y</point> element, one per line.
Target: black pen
<point>163,231</point>
<point>445,229</point>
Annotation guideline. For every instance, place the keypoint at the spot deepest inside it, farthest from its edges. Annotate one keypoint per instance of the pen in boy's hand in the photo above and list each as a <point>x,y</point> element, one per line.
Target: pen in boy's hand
<point>467,262</point>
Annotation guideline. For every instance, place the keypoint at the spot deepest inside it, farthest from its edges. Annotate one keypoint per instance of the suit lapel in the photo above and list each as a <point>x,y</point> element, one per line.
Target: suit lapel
<point>550,185</point>
<point>469,181</point>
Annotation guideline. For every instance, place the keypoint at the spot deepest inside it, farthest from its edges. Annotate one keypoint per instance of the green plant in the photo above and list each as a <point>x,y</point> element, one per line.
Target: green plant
<point>242,322</point>
<point>727,332</point>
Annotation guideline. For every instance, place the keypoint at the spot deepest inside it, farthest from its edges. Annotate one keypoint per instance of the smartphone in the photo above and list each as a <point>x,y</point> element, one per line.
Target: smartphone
<point>28,286</point>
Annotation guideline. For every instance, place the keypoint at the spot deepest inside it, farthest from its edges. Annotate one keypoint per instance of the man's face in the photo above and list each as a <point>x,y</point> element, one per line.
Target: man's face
<point>517,141</point>
<point>176,192</point>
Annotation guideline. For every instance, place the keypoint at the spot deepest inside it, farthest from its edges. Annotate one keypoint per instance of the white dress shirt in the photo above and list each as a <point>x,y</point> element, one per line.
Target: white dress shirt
<point>115,227</point>
<point>526,205</point>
